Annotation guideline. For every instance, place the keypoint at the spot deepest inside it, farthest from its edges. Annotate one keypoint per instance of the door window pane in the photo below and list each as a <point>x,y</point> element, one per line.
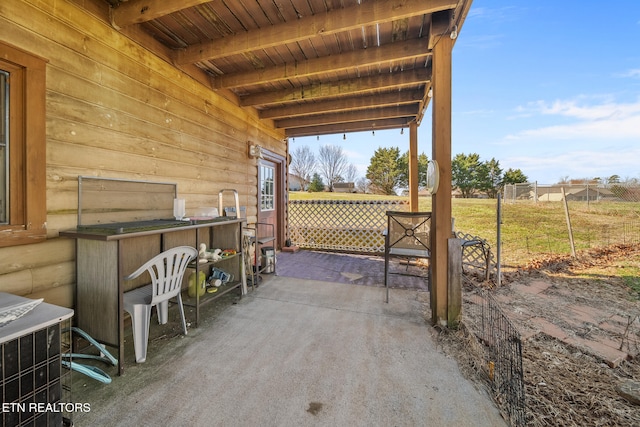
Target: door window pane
<point>267,195</point>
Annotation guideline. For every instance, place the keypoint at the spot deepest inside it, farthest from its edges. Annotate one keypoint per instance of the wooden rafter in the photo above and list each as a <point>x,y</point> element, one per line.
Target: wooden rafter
<point>343,104</point>
<point>347,87</point>
<point>339,88</point>
<point>366,57</point>
<point>350,127</point>
<point>332,22</point>
<point>138,11</point>
<point>350,116</point>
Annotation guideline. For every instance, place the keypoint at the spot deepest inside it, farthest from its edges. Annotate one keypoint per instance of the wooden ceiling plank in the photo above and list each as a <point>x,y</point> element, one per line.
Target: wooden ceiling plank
<point>331,22</point>
<point>339,88</point>
<point>360,58</point>
<point>138,11</point>
<point>344,104</point>
<point>350,116</point>
<point>349,127</point>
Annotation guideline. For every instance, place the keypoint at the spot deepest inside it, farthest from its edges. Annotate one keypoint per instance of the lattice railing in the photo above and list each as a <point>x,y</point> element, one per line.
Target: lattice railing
<point>340,225</point>
<point>477,258</point>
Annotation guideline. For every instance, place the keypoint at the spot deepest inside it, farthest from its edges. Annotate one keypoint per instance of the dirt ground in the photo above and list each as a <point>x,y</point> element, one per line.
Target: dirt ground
<point>570,377</point>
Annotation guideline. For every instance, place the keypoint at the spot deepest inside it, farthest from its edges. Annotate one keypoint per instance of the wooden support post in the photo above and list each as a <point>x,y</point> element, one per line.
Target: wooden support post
<point>441,201</point>
<point>413,167</point>
<point>454,312</point>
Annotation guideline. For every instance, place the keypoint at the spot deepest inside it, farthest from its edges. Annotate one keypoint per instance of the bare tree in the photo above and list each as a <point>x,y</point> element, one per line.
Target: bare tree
<point>351,174</point>
<point>362,185</point>
<point>333,164</point>
<point>303,164</point>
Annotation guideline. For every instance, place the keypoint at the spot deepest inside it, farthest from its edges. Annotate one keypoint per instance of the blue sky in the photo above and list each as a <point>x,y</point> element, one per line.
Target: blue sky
<point>549,87</point>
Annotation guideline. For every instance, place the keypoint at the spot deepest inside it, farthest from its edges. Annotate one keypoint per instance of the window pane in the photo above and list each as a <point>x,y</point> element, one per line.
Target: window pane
<point>267,196</point>
<point>4,146</point>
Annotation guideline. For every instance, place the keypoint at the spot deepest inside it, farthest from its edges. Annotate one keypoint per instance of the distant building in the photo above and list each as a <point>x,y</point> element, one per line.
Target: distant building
<point>296,183</point>
<point>591,194</point>
<point>344,187</point>
<point>581,194</point>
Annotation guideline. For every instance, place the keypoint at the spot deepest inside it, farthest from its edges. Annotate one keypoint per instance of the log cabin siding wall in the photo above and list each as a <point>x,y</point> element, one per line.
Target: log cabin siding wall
<point>117,110</point>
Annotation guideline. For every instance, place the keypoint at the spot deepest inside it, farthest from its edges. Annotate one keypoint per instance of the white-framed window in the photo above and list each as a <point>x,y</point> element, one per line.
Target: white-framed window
<point>267,188</point>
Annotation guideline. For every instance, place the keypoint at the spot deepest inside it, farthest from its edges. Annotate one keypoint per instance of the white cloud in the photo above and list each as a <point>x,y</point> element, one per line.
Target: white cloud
<point>589,137</point>
<point>607,120</point>
<point>495,15</point>
<point>481,112</point>
<point>355,155</point>
<point>547,169</point>
<point>496,18</point>
<point>634,74</point>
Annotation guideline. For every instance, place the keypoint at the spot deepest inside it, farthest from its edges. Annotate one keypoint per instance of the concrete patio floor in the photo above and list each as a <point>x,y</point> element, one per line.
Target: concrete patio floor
<point>294,352</point>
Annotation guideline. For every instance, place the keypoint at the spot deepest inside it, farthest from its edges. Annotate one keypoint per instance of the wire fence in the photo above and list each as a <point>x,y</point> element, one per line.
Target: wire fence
<point>588,193</point>
<point>546,220</point>
<point>501,348</point>
<point>598,236</point>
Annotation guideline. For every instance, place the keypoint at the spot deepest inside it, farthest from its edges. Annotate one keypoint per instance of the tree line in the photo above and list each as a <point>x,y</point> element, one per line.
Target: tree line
<point>388,172</point>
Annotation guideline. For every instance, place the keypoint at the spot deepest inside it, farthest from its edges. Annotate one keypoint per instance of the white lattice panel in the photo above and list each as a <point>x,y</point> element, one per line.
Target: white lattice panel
<point>352,226</point>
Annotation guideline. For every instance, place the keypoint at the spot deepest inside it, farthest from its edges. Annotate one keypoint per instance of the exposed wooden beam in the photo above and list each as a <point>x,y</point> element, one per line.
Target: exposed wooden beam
<point>424,103</point>
<point>441,25</point>
<point>413,167</point>
<point>350,116</point>
<point>343,104</point>
<point>333,63</point>
<point>334,21</point>
<point>350,127</point>
<point>441,200</point>
<point>340,88</point>
<point>137,11</point>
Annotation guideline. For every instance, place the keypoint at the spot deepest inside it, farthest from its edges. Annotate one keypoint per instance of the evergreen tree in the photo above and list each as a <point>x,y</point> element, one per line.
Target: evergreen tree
<point>466,173</point>
<point>514,176</point>
<point>490,178</point>
<point>383,171</point>
<point>316,184</point>
<point>423,162</point>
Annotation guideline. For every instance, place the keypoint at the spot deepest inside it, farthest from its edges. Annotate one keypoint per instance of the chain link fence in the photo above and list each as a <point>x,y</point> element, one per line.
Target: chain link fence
<point>598,216</point>
<point>588,193</point>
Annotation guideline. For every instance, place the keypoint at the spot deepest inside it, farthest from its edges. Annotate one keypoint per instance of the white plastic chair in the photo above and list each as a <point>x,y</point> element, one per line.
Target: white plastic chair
<point>166,270</point>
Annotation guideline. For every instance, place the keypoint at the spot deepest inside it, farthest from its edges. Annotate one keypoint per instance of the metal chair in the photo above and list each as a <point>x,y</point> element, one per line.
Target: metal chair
<point>407,236</point>
<point>167,271</point>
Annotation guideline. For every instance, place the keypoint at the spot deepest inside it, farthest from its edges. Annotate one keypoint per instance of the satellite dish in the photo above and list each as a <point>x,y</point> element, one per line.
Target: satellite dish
<point>433,176</point>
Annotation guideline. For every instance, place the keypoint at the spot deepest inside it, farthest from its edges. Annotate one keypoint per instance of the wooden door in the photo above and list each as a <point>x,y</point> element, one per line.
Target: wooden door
<point>268,197</point>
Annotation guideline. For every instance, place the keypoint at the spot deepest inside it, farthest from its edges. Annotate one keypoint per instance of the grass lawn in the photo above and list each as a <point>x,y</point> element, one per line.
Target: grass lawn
<point>528,229</point>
